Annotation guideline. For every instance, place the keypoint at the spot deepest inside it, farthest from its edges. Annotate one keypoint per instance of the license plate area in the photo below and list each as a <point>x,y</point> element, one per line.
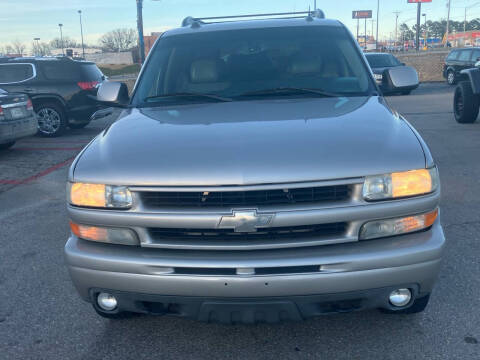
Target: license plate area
<point>17,113</point>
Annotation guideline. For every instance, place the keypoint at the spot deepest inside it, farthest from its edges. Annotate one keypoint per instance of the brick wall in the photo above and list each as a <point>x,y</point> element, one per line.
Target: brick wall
<point>428,64</point>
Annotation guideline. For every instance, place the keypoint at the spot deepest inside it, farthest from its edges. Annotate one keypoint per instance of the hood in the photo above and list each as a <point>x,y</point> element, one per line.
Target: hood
<point>251,142</point>
<point>380,70</point>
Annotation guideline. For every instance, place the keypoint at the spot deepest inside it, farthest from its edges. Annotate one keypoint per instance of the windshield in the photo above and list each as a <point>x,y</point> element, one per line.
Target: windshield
<point>384,60</point>
<point>243,64</point>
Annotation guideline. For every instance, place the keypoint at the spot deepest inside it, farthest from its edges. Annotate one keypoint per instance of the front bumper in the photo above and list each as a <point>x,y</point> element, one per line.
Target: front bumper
<point>369,267</point>
<point>15,129</point>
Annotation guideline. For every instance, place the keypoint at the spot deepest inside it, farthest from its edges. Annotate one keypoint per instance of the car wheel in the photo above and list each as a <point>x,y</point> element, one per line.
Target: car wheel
<point>418,306</point>
<point>7,145</point>
<point>451,78</point>
<point>78,125</point>
<point>52,120</point>
<point>465,103</point>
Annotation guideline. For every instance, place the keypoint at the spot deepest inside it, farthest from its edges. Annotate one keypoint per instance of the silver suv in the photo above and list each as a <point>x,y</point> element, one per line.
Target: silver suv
<point>256,174</point>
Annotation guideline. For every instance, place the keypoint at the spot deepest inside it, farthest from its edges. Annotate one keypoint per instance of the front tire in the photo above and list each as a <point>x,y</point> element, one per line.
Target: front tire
<point>52,120</point>
<point>451,78</point>
<point>465,103</point>
<point>7,145</point>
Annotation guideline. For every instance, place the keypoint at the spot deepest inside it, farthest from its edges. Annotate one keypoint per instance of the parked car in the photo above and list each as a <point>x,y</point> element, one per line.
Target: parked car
<point>458,60</point>
<point>379,63</point>
<point>254,177</point>
<point>17,118</point>
<point>62,90</point>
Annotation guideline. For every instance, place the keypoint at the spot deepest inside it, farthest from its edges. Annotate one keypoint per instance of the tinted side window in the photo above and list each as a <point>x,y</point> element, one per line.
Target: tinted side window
<point>464,55</point>
<point>11,73</point>
<point>453,55</point>
<point>60,72</point>
<point>90,72</point>
<point>476,54</point>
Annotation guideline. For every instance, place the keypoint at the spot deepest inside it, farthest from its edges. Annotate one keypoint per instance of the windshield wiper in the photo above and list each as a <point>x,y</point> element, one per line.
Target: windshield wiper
<point>291,90</point>
<point>173,95</point>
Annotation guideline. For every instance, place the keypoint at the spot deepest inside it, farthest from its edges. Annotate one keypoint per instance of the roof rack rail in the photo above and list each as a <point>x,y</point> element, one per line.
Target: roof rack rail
<point>197,22</point>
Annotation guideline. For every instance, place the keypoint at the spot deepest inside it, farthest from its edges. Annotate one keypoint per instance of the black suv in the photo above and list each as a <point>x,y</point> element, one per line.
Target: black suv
<point>61,89</point>
<point>458,60</point>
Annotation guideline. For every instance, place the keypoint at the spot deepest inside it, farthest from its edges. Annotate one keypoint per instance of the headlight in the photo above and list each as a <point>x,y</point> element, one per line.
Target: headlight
<point>99,195</point>
<point>105,235</point>
<point>400,184</point>
<point>378,76</point>
<point>397,226</point>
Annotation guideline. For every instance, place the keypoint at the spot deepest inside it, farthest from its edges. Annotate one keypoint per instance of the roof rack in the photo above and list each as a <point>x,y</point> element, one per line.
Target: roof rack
<point>309,15</point>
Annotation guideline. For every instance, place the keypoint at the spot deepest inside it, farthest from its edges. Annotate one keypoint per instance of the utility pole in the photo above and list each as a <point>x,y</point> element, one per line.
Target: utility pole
<point>141,43</point>
<point>426,31</point>
<point>61,38</point>
<point>417,35</point>
<point>314,5</point>
<point>376,36</point>
<point>358,25</point>
<point>365,42</point>
<point>81,32</point>
<point>396,26</point>
<point>448,24</point>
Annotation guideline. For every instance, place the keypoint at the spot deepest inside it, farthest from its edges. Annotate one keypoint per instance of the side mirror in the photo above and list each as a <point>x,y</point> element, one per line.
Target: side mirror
<point>112,93</point>
<point>401,78</point>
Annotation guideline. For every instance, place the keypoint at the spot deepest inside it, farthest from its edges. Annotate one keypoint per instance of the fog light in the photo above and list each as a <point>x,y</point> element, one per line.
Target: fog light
<point>400,297</point>
<point>106,301</point>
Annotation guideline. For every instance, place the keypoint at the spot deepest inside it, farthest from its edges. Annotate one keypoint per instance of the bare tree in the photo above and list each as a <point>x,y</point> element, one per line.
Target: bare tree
<point>67,43</point>
<point>41,49</point>
<point>18,47</point>
<point>9,49</point>
<point>119,40</point>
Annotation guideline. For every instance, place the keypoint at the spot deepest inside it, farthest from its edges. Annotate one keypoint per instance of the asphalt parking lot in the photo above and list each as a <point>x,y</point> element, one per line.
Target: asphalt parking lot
<point>41,316</point>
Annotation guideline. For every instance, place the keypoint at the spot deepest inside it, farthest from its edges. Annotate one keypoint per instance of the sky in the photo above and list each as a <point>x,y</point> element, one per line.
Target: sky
<point>24,20</point>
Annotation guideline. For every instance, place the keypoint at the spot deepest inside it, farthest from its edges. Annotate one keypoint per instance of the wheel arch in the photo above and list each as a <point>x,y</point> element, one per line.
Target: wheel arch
<point>39,99</point>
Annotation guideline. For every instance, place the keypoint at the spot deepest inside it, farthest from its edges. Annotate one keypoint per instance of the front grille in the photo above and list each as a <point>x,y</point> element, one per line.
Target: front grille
<point>265,235</point>
<point>255,198</point>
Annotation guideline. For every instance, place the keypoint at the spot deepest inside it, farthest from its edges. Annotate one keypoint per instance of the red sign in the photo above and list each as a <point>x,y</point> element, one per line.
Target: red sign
<point>362,14</point>
<point>418,1</point>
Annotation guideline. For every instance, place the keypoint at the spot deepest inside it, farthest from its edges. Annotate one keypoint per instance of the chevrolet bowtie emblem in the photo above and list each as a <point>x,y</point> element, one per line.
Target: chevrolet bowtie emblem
<point>245,221</point>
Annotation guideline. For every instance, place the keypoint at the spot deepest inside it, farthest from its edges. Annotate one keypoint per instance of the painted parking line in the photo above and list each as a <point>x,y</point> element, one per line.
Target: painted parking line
<point>39,174</point>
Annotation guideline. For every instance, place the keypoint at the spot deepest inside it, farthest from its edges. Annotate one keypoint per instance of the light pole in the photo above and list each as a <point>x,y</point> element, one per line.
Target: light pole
<point>426,33</point>
<point>448,24</point>
<point>376,36</point>
<point>141,43</point>
<point>81,32</point>
<point>61,38</point>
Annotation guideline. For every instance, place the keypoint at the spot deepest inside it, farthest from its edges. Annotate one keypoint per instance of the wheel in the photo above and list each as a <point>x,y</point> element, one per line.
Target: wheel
<point>7,145</point>
<point>451,78</point>
<point>78,126</point>
<point>465,103</point>
<point>52,120</point>
<point>406,92</point>
<point>418,306</point>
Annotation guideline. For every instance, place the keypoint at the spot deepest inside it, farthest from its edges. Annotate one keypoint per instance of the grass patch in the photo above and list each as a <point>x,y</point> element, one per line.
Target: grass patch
<point>124,70</point>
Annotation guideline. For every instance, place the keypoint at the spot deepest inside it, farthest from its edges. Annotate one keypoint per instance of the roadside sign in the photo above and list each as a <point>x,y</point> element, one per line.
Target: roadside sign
<point>362,14</point>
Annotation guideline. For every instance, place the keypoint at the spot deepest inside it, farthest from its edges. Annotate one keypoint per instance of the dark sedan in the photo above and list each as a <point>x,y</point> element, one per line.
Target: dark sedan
<point>17,118</point>
<point>379,63</point>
